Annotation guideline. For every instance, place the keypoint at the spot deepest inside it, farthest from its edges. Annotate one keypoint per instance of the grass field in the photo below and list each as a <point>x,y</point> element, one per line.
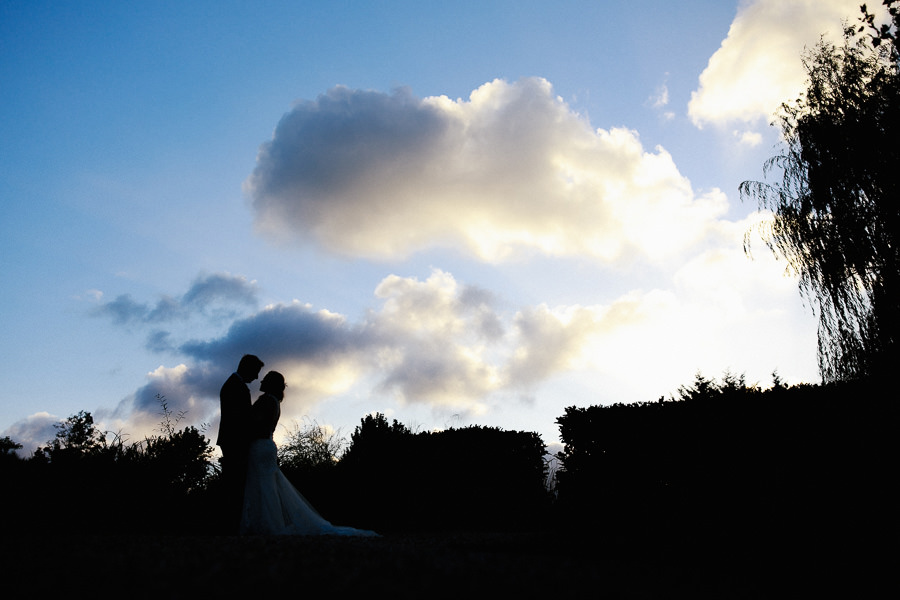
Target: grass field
<point>421,565</point>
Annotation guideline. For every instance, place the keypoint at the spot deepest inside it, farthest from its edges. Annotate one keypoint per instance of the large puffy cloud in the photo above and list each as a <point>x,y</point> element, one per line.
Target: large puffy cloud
<point>434,339</point>
<point>758,65</point>
<point>510,169</point>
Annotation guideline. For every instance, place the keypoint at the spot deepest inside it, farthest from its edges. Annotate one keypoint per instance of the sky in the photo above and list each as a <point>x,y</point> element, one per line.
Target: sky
<point>456,213</point>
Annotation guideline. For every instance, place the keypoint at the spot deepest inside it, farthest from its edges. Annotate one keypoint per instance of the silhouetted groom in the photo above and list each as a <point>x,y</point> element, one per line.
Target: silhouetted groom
<point>234,435</point>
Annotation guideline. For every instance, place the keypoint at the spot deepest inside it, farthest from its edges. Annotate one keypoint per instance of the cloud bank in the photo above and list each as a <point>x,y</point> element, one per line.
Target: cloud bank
<point>510,170</point>
<point>433,342</point>
<point>758,67</point>
<point>460,349</point>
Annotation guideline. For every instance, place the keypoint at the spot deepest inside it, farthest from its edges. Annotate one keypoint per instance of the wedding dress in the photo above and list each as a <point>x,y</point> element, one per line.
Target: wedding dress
<point>272,506</point>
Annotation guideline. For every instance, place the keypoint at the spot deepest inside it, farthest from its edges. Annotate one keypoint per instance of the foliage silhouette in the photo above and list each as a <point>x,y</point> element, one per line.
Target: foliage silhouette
<point>721,463</point>
<point>76,437</point>
<point>374,440</point>
<point>837,207</point>
<point>8,447</point>
<point>883,32</point>
<point>88,481</point>
<point>473,477</point>
<point>180,462</point>
<point>724,465</point>
<point>309,446</point>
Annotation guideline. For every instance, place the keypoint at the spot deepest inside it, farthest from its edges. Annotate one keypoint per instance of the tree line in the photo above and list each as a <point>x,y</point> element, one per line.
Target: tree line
<point>721,457</point>
<point>89,481</point>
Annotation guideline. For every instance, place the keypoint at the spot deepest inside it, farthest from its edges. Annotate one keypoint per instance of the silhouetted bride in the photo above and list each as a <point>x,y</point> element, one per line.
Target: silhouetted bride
<point>271,504</point>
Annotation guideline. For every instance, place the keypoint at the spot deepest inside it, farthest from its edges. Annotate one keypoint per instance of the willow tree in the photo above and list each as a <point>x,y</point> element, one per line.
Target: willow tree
<point>836,208</point>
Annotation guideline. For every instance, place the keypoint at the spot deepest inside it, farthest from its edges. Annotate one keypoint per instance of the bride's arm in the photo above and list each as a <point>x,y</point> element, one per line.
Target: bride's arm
<point>264,416</point>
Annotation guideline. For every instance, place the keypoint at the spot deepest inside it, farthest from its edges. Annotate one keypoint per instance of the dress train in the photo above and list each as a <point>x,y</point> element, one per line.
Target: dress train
<point>272,506</point>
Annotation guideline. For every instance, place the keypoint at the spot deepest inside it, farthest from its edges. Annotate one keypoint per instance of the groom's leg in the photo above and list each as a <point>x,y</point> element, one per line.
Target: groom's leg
<point>234,476</point>
<point>241,483</point>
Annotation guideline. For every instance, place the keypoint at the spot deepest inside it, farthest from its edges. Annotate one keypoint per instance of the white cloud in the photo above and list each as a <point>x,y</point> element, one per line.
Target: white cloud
<point>660,97</point>
<point>32,432</point>
<point>511,169</point>
<point>213,295</point>
<point>432,342</point>
<point>553,340</point>
<point>748,138</point>
<point>758,64</point>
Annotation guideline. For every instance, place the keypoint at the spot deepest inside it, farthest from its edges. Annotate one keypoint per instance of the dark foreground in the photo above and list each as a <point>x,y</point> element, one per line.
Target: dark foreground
<point>438,565</point>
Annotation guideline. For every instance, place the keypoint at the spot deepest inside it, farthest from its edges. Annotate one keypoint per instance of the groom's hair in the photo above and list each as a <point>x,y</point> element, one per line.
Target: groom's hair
<point>249,362</point>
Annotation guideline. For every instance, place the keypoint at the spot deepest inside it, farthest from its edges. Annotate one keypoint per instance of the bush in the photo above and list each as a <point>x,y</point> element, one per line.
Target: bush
<point>729,461</point>
<point>87,481</point>
<point>473,477</point>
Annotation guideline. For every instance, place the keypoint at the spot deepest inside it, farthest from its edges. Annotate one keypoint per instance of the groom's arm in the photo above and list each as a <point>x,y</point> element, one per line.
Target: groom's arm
<point>234,405</point>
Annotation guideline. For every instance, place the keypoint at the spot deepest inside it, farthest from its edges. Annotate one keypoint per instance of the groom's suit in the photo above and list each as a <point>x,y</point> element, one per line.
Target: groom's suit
<point>234,404</point>
<point>234,440</point>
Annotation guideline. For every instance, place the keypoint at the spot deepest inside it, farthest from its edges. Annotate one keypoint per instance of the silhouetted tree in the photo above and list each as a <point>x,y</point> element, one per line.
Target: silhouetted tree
<point>477,476</point>
<point>375,440</point>
<point>87,480</point>
<point>308,457</point>
<point>77,437</point>
<point>702,388</point>
<point>473,477</point>
<point>309,446</point>
<point>837,206</point>
<point>884,32</point>
<point>8,447</point>
<point>180,462</point>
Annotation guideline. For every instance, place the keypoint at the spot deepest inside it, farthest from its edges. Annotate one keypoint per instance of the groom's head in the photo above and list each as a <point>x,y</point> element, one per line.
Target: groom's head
<point>249,367</point>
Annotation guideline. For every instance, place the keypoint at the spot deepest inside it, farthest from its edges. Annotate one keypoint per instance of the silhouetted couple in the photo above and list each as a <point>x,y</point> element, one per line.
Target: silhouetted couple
<point>260,498</point>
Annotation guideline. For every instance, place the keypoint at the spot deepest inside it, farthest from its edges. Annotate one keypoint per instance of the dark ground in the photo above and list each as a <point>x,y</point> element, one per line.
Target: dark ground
<point>420,565</point>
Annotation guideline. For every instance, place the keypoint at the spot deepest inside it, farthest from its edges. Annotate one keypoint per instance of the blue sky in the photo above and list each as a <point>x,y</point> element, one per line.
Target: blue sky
<point>451,213</point>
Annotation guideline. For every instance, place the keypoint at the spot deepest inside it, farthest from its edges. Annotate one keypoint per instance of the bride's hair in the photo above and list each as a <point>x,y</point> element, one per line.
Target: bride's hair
<point>273,383</point>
